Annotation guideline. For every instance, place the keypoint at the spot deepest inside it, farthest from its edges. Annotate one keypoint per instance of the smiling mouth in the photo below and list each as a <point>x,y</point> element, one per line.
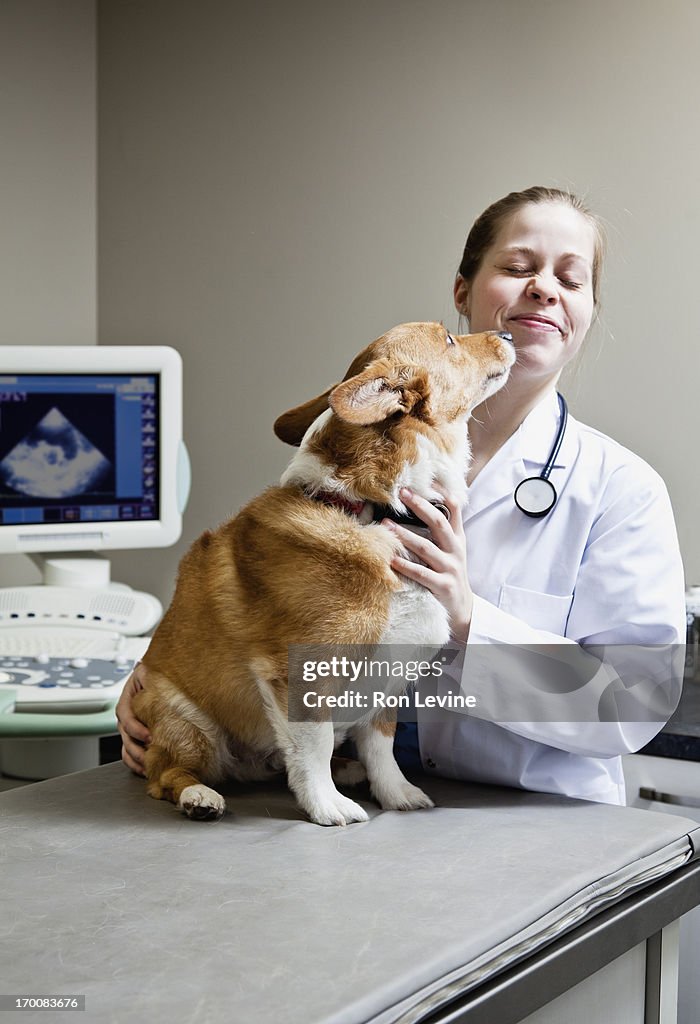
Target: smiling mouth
<point>538,321</point>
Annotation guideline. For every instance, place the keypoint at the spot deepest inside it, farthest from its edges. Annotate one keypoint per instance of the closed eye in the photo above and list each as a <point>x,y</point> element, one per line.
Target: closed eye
<point>450,340</point>
<point>567,282</point>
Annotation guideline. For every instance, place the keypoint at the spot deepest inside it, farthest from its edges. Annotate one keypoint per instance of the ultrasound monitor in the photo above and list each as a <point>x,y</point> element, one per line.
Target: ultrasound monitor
<point>91,450</point>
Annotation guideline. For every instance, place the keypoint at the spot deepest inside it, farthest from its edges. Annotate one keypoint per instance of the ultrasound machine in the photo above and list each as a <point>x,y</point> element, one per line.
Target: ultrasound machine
<point>91,460</point>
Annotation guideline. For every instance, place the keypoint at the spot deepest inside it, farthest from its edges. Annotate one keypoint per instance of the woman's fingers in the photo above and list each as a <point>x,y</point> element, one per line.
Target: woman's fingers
<point>446,534</point>
<point>443,530</point>
<point>130,725</point>
<point>128,722</point>
<point>426,550</point>
<point>132,755</point>
<point>419,572</point>
<point>135,735</point>
<point>455,510</point>
<point>442,568</point>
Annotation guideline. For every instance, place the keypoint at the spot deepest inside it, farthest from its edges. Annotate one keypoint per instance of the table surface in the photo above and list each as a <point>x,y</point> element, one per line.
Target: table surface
<point>117,896</point>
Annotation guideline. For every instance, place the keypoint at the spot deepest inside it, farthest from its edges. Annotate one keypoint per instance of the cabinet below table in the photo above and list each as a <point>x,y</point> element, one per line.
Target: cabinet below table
<point>672,786</point>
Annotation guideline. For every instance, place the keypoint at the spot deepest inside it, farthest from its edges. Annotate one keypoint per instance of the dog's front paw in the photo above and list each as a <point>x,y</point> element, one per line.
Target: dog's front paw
<point>335,809</point>
<point>202,803</point>
<point>403,796</point>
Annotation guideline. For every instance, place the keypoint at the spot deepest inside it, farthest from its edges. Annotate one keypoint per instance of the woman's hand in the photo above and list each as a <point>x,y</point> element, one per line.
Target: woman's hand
<point>135,735</point>
<point>443,560</point>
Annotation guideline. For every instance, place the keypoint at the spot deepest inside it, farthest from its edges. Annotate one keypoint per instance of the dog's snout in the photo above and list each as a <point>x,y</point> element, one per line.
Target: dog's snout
<point>505,335</point>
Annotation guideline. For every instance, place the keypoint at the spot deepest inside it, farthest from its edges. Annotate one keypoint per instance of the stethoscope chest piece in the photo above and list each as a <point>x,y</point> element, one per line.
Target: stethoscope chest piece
<point>535,496</point>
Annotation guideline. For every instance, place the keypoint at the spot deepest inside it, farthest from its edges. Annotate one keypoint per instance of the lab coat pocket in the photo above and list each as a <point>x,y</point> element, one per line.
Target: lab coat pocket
<point>541,611</point>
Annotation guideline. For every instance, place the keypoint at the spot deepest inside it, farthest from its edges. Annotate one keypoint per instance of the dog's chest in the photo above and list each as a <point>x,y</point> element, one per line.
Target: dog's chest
<point>416,617</point>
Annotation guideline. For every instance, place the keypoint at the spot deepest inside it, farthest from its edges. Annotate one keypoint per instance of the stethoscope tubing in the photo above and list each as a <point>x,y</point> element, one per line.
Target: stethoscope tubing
<point>563,418</point>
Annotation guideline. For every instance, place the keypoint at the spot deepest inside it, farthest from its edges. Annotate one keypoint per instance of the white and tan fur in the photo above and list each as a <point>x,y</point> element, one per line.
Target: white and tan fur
<point>290,569</point>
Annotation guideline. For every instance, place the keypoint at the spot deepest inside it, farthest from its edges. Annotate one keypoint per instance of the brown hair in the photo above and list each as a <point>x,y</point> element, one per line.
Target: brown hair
<point>486,227</point>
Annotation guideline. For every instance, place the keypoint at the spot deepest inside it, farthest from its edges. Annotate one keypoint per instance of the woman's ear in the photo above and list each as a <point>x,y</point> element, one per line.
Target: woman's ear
<point>461,296</point>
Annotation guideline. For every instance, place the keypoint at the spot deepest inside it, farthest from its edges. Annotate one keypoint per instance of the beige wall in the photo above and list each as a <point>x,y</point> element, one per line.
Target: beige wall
<point>279,183</point>
<point>48,293</point>
<point>48,184</point>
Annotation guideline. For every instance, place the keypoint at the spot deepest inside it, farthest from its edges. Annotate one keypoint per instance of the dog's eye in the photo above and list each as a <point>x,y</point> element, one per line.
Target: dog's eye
<point>450,340</point>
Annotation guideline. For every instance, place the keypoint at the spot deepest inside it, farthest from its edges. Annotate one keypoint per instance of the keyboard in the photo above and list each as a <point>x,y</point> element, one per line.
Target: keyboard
<point>53,666</point>
<point>31,642</point>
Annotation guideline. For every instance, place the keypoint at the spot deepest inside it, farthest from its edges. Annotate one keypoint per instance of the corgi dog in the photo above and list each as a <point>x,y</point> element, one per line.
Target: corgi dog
<point>308,562</point>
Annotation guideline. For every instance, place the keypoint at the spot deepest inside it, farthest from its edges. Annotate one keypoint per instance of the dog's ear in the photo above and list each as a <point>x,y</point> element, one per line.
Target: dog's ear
<point>291,426</point>
<point>378,392</point>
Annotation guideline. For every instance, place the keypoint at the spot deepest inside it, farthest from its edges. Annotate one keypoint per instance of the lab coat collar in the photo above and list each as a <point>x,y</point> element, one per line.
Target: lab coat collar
<point>524,454</point>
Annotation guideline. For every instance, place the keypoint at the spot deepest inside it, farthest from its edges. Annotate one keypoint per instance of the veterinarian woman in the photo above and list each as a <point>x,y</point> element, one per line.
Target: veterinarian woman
<point>568,621</point>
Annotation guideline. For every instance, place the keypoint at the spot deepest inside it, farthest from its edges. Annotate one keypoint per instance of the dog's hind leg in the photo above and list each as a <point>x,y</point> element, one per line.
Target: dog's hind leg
<point>307,748</point>
<point>347,772</point>
<point>181,784</point>
<point>181,755</point>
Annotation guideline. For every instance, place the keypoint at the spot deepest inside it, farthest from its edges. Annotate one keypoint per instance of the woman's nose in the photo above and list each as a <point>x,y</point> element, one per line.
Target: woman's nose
<point>541,290</point>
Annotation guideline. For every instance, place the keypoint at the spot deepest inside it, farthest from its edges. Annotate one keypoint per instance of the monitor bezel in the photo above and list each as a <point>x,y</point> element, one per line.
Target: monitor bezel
<point>162,360</point>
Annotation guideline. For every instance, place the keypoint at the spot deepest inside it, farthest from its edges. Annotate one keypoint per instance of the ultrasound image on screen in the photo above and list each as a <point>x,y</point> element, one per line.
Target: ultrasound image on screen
<point>59,446</point>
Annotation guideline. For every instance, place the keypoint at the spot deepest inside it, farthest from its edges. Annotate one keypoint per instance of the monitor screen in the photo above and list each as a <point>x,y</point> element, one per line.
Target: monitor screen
<point>90,447</point>
<point>79,448</point>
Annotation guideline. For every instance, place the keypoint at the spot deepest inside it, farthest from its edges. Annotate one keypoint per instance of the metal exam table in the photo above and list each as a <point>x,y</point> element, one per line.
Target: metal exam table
<point>497,906</point>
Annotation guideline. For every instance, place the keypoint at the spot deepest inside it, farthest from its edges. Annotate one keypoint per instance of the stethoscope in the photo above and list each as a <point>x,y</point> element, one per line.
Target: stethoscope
<point>536,495</point>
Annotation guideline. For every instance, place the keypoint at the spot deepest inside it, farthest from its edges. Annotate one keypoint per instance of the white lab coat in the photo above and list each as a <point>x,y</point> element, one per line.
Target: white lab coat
<point>603,568</point>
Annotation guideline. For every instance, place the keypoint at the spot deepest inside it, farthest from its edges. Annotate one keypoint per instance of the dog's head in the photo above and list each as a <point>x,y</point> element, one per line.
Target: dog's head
<point>415,370</point>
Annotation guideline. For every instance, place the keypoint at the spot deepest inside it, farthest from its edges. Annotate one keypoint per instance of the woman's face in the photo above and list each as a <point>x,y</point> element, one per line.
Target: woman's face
<point>535,282</point>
